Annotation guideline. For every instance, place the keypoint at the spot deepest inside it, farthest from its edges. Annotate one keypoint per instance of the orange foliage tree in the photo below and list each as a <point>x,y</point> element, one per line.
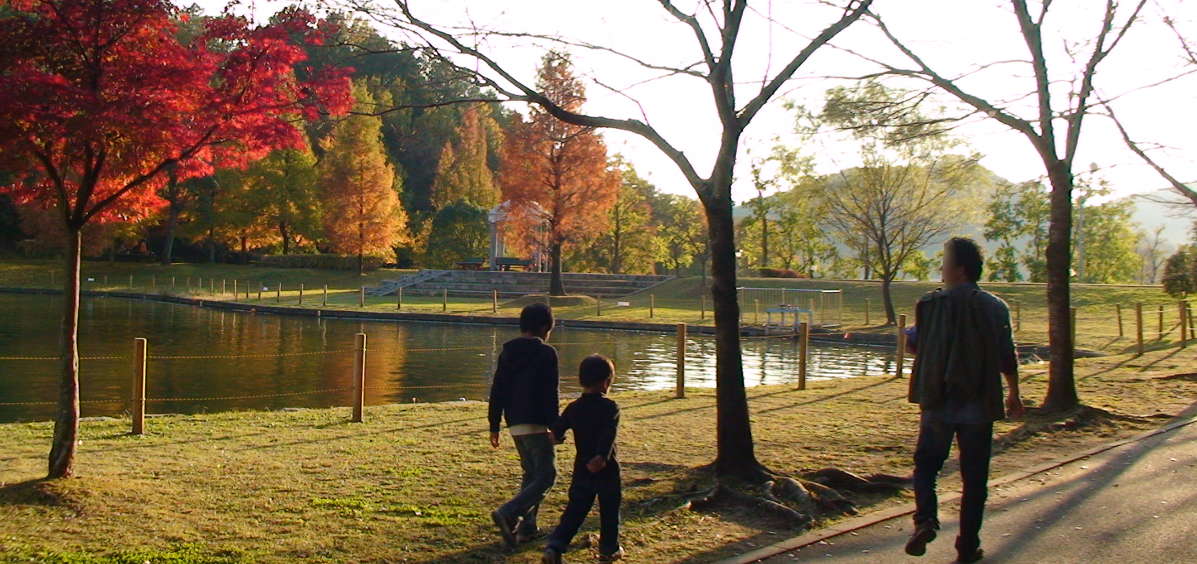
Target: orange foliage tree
<point>555,174</point>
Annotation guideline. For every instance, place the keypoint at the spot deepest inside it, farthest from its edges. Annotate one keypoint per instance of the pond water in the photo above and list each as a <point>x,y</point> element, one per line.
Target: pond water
<point>241,360</point>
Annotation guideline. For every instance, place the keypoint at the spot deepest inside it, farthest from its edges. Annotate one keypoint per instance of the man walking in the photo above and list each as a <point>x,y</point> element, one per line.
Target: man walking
<point>963,347</point>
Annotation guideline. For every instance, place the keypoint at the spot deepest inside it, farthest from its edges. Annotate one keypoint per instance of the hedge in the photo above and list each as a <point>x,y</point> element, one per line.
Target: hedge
<point>326,262</point>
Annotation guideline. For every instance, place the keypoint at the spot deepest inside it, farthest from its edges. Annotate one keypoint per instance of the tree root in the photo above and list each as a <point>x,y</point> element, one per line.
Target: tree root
<point>844,480</point>
<point>772,507</point>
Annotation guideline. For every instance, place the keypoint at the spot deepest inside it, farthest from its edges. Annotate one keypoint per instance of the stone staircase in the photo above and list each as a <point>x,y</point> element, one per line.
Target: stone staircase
<point>473,283</point>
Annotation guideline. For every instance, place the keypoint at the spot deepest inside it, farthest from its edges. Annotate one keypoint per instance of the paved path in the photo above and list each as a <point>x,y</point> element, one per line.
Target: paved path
<point>1136,503</point>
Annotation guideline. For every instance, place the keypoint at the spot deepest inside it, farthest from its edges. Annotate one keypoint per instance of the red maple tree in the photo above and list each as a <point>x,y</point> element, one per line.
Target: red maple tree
<point>556,174</point>
<point>100,99</point>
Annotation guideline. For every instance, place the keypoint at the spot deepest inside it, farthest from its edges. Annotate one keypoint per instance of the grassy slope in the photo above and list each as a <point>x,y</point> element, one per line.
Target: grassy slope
<point>414,483</point>
<point>675,301</point>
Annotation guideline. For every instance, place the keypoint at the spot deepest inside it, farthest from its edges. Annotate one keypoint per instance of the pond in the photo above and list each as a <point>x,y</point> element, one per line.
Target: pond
<point>241,360</point>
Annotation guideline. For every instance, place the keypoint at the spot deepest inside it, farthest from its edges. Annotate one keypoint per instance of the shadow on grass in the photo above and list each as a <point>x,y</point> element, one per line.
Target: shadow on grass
<point>36,493</point>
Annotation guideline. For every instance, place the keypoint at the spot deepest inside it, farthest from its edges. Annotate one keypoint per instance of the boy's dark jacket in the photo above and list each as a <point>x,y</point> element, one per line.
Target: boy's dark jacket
<point>525,386</point>
<point>594,419</point>
<point>959,354</point>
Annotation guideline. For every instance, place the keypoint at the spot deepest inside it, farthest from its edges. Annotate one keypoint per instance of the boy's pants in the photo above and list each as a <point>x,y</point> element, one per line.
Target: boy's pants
<point>537,457</point>
<point>582,490</point>
<point>935,440</point>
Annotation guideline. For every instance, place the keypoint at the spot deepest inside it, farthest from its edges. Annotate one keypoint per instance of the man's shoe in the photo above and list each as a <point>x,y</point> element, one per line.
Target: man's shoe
<point>550,556</point>
<point>974,556</point>
<point>617,555</point>
<point>923,534</point>
<point>506,528</point>
<point>522,537</point>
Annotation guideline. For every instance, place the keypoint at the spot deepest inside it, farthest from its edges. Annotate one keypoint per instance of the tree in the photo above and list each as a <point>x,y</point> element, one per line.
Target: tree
<point>908,192</point>
<point>94,114</point>
<point>557,171</point>
<point>1179,272</point>
<point>1055,133</point>
<point>459,231</point>
<point>463,172</point>
<point>1153,250</point>
<point>715,39</point>
<point>362,214</point>
<point>285,190</point>
<point>630,243</point>
<point>683,232</point>
<point>1106,239</point>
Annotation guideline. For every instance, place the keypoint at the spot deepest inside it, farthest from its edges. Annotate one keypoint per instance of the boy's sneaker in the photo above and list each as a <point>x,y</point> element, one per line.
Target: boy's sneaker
<point>506,528</point>
<point>522,537</point>
<point>617,555</point>
<point>550,556</point>
<point>923,534</point>
<point>969,558</point>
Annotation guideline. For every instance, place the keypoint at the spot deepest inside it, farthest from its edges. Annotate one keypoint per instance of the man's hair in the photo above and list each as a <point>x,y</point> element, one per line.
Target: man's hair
<point>536,317</point>
<point>594,369</point>
<point>966,254</point>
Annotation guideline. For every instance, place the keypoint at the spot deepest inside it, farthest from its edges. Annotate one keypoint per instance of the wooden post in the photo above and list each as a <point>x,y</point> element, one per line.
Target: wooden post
<point>494,301</point>
<point>1159,332</point>
<point>137,409</point>
<point>130,281</point>
<point>1139,327</point>
<point>702,305</point>
<point>278,293</point>
<point>444,299</point>
<point>901,359</point>
<point>1072,325</point>
<point>261,285</point>
<point>1118,314</point>
<point>399,298</point>
<point>324,297</point>
<point>598,307</point>
<point>105,279</point>
<point>680,391</point>
<point>153,281</point>
<point>1183,327</point>
<point>359,376</point>
<point>652,305</point>
<point>868,307</point>
<point>224,288</point>
<point>803,353</point>
<point>172,283</point>
<point>236,288</point>
<point>756,312</point>
<point>301,293</point>
<point>361,296</point>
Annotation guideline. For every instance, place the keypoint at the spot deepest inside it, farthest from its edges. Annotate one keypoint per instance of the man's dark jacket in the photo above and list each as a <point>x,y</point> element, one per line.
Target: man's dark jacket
<point>964,344</point>
<point>525,387</point>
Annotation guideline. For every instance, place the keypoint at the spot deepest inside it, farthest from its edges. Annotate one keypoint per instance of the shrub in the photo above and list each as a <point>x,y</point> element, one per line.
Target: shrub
<point>324,261</point>
<point>779,273</point>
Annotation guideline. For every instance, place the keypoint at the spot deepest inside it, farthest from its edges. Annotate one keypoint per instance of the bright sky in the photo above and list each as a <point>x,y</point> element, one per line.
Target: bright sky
<point>953,36</point>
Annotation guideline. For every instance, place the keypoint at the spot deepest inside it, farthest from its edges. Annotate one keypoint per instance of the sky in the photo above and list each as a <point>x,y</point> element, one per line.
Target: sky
<point>954,37</point>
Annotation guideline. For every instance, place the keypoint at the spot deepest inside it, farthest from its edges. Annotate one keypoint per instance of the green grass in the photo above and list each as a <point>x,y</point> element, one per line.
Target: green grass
<point>676,301</point>
<point>415,481</point>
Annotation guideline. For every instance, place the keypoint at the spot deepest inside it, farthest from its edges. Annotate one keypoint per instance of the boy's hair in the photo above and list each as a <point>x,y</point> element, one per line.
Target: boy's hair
<point>966,254</point>
<point>536,317</point>
<point>594,370</point>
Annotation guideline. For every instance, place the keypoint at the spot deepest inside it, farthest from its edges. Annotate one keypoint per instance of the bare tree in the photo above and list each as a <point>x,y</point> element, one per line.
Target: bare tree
<point>1153,249</point>
<point>1055,133</point>
<point>715,27</point>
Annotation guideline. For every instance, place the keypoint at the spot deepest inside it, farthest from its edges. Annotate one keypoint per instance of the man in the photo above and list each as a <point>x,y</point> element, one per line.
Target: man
<point>524,391</point>
<point>963,343</point>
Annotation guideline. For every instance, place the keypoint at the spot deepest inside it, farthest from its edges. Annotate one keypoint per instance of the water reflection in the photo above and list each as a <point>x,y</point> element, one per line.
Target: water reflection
<point>405,362</point>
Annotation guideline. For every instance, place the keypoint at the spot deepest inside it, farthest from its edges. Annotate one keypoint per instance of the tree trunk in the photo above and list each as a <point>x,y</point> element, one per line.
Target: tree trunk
<point>887,298</point>
<point>361,268</point>
<point>244,252</point>
<point>556,286</point>
<point>168,244</point>
<point>735,449</point>
<point>211,246</point>
<point>1061,387</point>
<point>764,243</point>
<point>282,231</point>
<point>66,423</point>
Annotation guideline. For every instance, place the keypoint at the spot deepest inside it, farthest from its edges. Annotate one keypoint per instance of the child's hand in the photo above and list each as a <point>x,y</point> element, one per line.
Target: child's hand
<point>494,440</point>
<point>596,464</point>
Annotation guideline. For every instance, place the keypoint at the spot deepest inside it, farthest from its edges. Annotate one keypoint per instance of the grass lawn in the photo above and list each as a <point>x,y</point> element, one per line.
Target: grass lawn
<point>415,482</point>
<point>676,301</point>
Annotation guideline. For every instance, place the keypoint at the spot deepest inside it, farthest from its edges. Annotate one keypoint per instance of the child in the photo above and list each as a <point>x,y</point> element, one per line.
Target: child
<point>525,391</point>
<point>594,419</point>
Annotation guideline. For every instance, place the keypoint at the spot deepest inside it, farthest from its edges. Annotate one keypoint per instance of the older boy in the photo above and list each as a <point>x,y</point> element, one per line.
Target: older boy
<point>524,391</point>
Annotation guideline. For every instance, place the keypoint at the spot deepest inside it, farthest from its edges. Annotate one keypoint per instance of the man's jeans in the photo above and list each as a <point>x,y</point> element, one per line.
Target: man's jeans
<point>582,491</point>
<point>538,459</point>
<point>975,441</point>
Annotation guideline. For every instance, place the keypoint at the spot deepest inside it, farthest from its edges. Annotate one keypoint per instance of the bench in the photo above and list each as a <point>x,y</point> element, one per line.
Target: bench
<point>509,263</point>
<point>471,264</point>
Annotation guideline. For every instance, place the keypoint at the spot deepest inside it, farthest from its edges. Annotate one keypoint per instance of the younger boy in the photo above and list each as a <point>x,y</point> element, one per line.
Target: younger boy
<point>594,419</point>
<point>524,392</point>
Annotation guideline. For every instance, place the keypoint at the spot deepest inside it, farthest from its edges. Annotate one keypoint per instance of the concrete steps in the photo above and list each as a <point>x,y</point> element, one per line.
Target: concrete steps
<point>468,283</point>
